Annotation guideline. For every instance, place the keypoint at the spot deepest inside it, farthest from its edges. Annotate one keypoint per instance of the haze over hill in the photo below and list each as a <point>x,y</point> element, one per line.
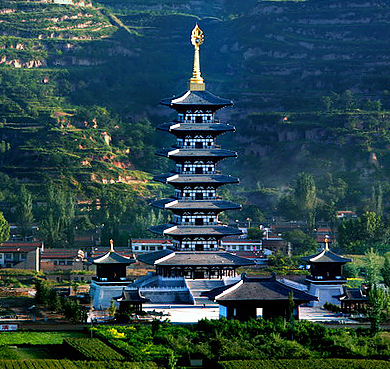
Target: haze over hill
<point>309,80</point>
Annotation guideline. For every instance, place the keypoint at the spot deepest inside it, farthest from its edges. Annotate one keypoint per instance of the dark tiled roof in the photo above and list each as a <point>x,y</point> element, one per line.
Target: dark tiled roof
<point>21,244</point>
<point>198,127</point>
<point>353,294</point>
<point>201,153</point>
<point>196,98</point>
<point>175,204</point>
<point>132,296</point>
<point>203,258</point>
<point>326,256</point>
<point>174,178</point>
<point>60,254</point>
<point>151,257</point>
<point>181,230</point>
<point>112,257</point>
<point>258,289</point>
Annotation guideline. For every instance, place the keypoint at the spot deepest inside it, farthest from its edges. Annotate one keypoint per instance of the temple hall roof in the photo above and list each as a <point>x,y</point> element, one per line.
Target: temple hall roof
<point>195,98</point>
<point>207,230</point>
<point>175,204</point>
<point>196,258</point>
<point>258,289</point>
<point>174,178</point>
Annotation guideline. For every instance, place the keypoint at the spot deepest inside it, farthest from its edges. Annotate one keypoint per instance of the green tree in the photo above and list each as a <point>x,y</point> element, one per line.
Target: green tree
<point>24,211</point>
<point>372,267</point>
<point>306,199</point>
<point>112,308</point>
<point>4,228</point>
<point>255,233</point>
<point>57,217</point>
<point>377,307</point>
<point>386,270</point>
<point>301,243</point>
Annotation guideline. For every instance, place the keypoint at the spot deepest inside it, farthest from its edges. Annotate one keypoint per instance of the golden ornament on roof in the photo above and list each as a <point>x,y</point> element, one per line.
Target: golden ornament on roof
<point>196,82</point>
<point>197,36</point>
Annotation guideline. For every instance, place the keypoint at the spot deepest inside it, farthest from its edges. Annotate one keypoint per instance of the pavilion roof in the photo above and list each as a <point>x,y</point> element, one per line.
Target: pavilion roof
<point>258,289</point>
<point>326,256</point>
<point>112,257</point>
<point>196,98</point>
<point>353,294</point>
<point>184,179</point>
<point>175,204</point>
<point>132,295</point>
<point>207,230</point>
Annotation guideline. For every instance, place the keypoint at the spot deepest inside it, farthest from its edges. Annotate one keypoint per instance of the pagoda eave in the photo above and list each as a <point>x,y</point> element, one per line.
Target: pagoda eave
<point>190,99</point>
<point>179,231</point>
<point>185,179</point>
<point>174,204</point>
<point>177,128</point>
<point>204,153</point>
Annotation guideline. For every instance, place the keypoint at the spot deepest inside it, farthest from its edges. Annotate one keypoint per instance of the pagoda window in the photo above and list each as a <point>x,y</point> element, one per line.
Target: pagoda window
<point>211,220</point>
<point>198,170</point>
<point>188,143</point>
<point>210,169</point>
<point>198,221</point>
<point>199,196</point>
<point>180,118</point>
<point>198,145</point>
<point>199,119</point>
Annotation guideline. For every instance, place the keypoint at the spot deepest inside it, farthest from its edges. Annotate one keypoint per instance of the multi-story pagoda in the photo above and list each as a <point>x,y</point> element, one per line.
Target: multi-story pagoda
<point>195,204</point>
<point>196,264</point>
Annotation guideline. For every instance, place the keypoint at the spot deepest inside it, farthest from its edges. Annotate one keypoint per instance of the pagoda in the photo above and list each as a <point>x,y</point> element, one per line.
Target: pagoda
<point>195,178</point>
<point>196,262</point>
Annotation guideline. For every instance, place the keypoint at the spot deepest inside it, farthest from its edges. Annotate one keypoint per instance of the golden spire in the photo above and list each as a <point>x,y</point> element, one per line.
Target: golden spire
<point>196,82</point>
<point>326,243</point>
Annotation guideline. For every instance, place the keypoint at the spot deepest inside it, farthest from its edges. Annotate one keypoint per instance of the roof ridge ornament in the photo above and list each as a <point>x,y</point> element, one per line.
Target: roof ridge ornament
<point>197,82</point>
<point>326,243</point>
<point>111,245</point>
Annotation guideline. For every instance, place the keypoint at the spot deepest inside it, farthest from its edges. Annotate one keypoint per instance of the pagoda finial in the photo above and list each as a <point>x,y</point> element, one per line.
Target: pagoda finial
<point>196,82</point>
<point>111,245</point>
<point>326,243</point>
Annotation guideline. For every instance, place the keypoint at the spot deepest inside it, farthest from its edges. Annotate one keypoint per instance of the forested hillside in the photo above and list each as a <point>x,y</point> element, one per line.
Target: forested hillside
<point>80,86</point>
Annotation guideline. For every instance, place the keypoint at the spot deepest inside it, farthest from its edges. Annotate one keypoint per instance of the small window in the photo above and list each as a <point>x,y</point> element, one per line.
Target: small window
<point>69,262</point>
<point>211,220</point>
<point>62,262</point>
<point>188,143</point>
<point>186,220</point>
<point>152,248</point>
<point>210,169</point>
<point>8,256</point>
<point>55,262</point>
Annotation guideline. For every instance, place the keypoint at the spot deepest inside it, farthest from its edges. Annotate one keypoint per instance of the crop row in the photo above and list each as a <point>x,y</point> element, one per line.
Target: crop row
<point>92,349</point>
<point>66,364</point>
<point>306,364</point>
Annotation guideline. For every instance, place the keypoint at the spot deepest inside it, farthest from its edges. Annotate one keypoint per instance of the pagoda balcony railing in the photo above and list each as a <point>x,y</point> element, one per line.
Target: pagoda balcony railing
<point>320,278</point>
<point>191,121</point>
<point>111,280</point>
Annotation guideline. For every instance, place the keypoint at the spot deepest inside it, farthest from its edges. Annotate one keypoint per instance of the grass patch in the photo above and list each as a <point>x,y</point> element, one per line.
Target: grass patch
<point>37,338</point>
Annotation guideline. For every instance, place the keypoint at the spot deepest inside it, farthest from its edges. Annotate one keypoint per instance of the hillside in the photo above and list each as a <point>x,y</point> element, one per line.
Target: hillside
<point>306,78</point>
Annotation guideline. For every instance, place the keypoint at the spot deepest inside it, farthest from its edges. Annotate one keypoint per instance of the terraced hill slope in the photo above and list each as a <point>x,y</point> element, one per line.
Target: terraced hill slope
<point>306,78</point>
